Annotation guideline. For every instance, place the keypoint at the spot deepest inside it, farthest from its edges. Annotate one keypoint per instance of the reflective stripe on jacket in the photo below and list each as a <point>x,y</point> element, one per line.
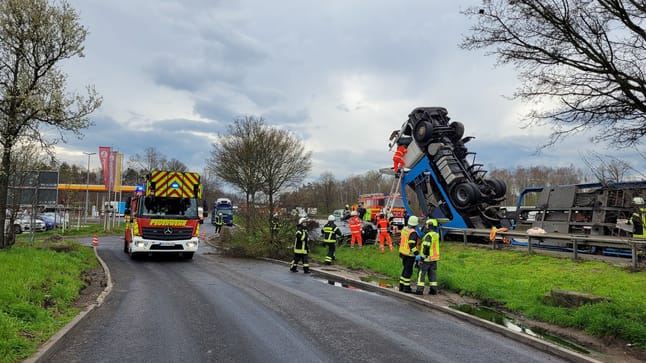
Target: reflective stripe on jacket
<point>431,246</point>
<point>300,245</point>
<point>355,224</point>
<point>330,232</point>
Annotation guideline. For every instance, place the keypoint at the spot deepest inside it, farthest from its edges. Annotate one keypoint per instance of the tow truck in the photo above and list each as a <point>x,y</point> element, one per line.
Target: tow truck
<point>162,216</point>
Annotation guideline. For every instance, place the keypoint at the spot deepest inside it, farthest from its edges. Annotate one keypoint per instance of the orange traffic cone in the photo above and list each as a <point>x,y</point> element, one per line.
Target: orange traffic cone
<point>95,240</point>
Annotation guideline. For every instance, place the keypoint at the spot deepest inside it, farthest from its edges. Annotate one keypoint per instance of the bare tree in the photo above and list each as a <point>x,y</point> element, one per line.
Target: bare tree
<point>235,158</point>
<point>35,36</point>
<point>328,190</point>
<point>284,163</point>
<point>152,159</point>
<point>606,168</point>
<point>585,57</point>
<point>175,165</point>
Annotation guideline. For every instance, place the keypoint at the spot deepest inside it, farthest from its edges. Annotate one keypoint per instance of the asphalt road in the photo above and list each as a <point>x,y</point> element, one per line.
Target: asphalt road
<point>215,309</point>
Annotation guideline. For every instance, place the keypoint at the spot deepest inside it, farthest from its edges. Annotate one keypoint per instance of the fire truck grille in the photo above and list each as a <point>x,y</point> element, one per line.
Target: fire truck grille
<point>167,234</point>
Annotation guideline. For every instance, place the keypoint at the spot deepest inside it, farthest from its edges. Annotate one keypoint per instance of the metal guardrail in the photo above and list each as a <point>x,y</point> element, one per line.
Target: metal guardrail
<point>577,241</point>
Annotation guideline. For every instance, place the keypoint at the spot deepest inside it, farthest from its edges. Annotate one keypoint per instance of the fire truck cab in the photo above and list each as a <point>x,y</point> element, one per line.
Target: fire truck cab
<point>163,216</point>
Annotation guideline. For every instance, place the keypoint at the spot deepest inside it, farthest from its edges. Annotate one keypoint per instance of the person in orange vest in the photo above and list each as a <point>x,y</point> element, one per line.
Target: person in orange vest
<point>384,234</point>
<point>355,229</point>
<point>398,158</point>
<point>408,253</point>
<point>430,252</point>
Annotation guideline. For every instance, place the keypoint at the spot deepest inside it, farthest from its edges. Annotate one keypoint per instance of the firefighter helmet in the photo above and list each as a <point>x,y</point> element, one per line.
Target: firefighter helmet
<point>353,213</point>
<point>638,201</point>
<point>302,220</point>
<point>331,217</point>
<point>431,222</point>
<point>413,221</point>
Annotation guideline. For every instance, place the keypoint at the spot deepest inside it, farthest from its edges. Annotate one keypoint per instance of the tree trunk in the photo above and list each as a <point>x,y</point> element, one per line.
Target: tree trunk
<point>4,188</point>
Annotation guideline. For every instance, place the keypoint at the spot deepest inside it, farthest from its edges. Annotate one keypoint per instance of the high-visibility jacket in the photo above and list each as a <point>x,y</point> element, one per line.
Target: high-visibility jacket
<point>638,220</point>
<point>430,250</point>
<point>300,244</point>
<point>355,224</point>
<point>382,225</point>
<point>408,245</point>
<point>330,232</point>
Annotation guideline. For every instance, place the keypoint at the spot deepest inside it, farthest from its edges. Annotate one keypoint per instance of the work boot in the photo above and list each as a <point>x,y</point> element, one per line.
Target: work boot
<point>401,287</point>
<point>306,270</point>
<point>432,290</point>
<point>293,269</point>
<point>328,262</point>
<point>408,290</point>
<point>419,291</point>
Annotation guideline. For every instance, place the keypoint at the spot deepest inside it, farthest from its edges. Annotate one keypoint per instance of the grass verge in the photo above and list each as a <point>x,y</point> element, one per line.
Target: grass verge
<point>38,287</point>
<point>518,282</point>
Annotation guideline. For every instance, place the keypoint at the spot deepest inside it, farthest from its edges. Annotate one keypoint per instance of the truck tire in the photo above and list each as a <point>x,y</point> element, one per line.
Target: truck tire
<point>422,133</point>
<point>501,189</point>
<point>464,195</point>
<point>458,130</point>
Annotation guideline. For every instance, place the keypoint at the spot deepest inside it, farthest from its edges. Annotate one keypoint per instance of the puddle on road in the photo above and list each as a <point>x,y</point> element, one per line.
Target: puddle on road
<point>482,312</point>
<point>502,319</point>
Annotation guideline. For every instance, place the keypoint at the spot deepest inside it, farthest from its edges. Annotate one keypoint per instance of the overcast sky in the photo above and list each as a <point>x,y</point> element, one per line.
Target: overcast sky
<point>340,74</point>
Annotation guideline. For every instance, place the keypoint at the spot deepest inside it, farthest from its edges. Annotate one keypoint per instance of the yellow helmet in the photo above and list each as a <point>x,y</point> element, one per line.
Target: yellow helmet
<point>432,222</point>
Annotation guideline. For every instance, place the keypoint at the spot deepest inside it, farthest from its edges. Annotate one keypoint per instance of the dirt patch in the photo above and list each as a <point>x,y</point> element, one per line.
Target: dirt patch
<point>95,282</point>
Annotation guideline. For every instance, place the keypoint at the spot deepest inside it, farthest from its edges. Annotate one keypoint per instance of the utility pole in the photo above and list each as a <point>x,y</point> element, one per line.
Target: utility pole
<point>87,185</point>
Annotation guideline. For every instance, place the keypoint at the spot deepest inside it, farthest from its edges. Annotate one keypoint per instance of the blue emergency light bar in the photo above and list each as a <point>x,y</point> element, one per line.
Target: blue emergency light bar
<point>174,185</point>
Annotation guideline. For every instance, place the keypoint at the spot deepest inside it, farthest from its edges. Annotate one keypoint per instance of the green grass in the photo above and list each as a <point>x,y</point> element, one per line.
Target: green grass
<point>518,282</point>
<point>38,287</point>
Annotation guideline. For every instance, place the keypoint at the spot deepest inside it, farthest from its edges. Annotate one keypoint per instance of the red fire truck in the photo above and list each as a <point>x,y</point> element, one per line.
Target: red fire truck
<point>375,203</point>
<point>162,216</point>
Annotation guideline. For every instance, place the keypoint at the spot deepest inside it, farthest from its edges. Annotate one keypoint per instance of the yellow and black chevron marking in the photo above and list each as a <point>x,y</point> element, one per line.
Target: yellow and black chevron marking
<point>174,184</point>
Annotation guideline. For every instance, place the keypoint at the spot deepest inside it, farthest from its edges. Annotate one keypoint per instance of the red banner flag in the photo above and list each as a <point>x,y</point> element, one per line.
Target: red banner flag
<point>104,157</point>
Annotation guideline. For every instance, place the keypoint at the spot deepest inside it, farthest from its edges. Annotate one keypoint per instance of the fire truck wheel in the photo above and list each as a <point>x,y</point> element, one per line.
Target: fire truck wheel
<point>125,246</point>
<point>134,256</point>
<point>465,194</point>
<point>423,131</point>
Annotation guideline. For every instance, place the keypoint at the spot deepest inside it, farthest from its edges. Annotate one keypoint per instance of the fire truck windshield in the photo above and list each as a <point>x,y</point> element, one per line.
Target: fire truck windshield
<point>169,207</point>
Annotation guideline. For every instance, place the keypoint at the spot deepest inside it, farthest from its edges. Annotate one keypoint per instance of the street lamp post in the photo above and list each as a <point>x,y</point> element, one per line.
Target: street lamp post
<point>87,185</point>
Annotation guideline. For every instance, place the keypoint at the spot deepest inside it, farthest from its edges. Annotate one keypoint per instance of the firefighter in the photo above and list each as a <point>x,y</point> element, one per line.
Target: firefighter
<point>219,221</point>
<point>275,224</point>
<point>355,229</point>
<point>430,252</point>
<point>384,233</point>
<point>638,219</point>
<point>361,211</point>
<point>331,235</point>
<point>408,253</point>
<point>301,248</point>
<point>398,158</point>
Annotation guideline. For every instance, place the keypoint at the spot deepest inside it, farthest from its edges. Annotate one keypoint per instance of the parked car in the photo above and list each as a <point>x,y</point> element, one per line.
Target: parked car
<point>50,223</point>
<point>17,229</point>
<point>27,224</point>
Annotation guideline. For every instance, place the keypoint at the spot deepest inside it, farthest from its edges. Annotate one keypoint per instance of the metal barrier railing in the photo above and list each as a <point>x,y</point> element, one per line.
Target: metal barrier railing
<point>577,241</point>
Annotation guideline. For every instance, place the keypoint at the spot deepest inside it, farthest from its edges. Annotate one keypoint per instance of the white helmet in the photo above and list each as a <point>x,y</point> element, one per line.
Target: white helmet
<point>413,221</point>
<point>302,220</point>
<point>331,217</point>
<point>638,201</point>
<point>353,213</point>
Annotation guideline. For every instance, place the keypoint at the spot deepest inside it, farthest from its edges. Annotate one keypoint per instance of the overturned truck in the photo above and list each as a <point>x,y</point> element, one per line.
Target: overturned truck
<point>444,175</point>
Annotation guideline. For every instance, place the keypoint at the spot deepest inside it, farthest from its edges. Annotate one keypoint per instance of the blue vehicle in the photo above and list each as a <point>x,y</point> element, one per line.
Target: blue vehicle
<point>223,207</point>
<point>447,185</point>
